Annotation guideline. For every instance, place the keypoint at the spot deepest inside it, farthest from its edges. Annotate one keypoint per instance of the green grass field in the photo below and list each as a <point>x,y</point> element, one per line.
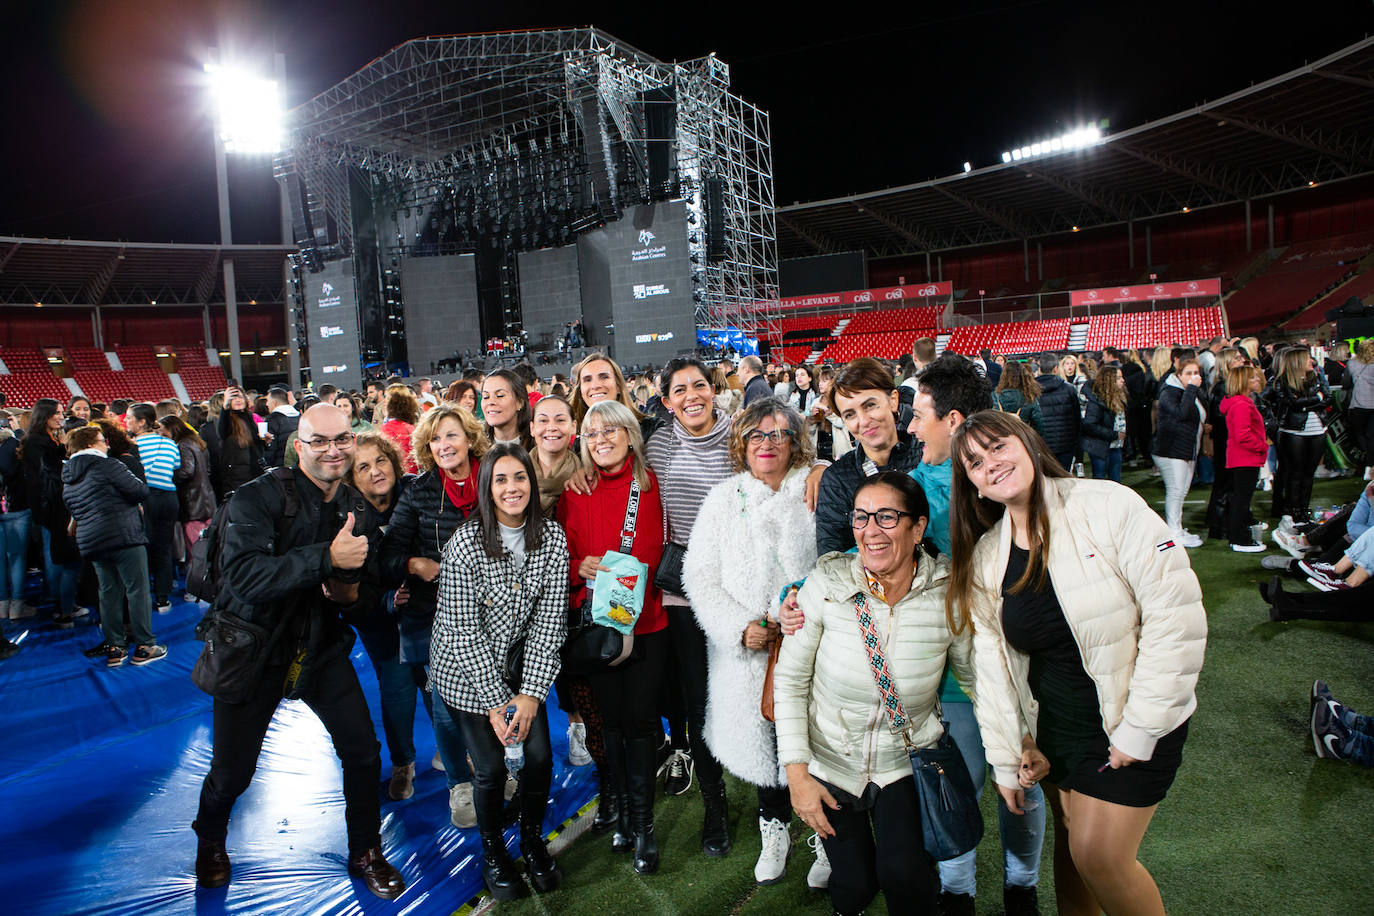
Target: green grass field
<point>1254,824</point>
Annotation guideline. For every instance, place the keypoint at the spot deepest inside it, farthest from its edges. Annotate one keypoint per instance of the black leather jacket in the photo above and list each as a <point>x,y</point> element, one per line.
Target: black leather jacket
<point>194,492</point>
<point>1292,407</point>
<point>841,481</point>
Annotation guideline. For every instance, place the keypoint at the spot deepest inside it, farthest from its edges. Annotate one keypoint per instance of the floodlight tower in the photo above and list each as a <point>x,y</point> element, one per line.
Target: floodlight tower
<point>248,120</point>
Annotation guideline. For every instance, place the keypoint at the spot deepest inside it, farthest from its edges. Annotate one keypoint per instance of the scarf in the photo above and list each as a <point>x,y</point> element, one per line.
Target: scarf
<point>462,493</point>
<point>551,486</point>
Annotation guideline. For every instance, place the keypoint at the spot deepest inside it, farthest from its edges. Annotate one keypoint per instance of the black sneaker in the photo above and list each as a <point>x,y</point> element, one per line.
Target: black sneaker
<point>63,621</point>
<point>115,655</point>
<point>99,651</point>
<point>680,772</point>
<point>1329,734</point>
<point>7,648</point>
<point>164,605</point>
<point>145,654</point>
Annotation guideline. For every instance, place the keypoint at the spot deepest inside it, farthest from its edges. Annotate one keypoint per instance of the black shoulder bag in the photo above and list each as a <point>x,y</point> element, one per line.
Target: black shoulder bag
<point>951,823</point>
<point>592,647</point>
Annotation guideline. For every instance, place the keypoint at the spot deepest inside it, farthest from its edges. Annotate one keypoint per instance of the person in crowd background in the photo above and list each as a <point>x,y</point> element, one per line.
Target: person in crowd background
<point>1246,448</point>
<point>42,451</point>
<point>506,409</point>
<point>402,412</point>
<point>1178,440</point>
<point>195,495</point>
<point>755,383</point>
<point>1059,411</point>
<point>16,517</point>
<point>1104,423</point>
<point>1299,399</point>
<point>281,423</point>
<point>1359,380</point>
<point>161,458</point>
<point>241,449</point>
<point>1018,392</point>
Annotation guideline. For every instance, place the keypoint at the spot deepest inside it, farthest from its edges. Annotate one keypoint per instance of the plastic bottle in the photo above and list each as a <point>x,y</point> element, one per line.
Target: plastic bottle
<point>515,750</point>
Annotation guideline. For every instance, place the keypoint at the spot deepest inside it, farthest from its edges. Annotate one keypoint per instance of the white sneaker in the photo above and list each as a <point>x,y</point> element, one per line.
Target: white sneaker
<point>1286,524</point>
<point>777,849</point>
<point>461,811</point>
<point>19,610</point>
<point>1189,540</point>
<point>818,878</point>
<point>437,762</point>
<point>577,745</point>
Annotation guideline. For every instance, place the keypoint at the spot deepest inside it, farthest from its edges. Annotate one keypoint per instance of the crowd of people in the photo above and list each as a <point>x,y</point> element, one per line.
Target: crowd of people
<point>805,572</point>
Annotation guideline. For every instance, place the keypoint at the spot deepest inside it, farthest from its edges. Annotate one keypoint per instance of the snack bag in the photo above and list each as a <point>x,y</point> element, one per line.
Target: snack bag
<point>618,594</point>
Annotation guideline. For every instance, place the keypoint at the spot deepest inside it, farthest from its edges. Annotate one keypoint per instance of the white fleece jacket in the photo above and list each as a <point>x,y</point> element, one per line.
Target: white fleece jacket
<point>748,542</point>
<point>1135,608</point>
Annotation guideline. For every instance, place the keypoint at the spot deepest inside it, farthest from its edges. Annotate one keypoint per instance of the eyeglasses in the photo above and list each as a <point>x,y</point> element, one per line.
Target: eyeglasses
<point>321,445</point>
<point>886,518</point>
<point>606,433</point>
<point>777,436</point>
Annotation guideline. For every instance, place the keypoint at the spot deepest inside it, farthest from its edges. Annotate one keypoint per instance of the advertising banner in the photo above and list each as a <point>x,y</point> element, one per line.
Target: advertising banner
<point>1111,295</point>
<point>868,296</point>
<point>331,317</point>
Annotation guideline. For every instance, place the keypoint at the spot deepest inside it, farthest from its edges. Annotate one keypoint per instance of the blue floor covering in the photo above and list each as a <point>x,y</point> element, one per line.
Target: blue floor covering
<point>100,773</point>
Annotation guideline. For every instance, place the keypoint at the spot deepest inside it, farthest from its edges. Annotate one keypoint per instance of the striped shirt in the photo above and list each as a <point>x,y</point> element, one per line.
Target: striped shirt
<point>160,457</point>
<point>687,468</point>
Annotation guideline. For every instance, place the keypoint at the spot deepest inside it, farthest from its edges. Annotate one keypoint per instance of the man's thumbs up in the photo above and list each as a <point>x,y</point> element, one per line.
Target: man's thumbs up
<point>348,551</point>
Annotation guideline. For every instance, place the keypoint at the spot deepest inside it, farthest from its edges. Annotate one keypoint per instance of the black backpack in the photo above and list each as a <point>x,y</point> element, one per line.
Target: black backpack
<point>203,574</point>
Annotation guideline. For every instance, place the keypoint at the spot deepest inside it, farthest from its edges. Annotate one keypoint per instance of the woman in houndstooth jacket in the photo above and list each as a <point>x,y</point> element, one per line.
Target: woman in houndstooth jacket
<point>503,583</point>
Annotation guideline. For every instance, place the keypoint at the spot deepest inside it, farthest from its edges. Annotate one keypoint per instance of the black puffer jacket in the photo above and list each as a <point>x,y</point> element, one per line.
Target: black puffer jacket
<point>421,524</point>
<point>1059,413</point>
<point>237,464</point>
<point>1137,385</point>
<point>1099,427</point>
<point>1292,407</point>
<point>1178,421</point>
<point>194,490</point>
<point>12,472</point>
<point>263,579</point>
<point>104,498</point>
<point>841,481</point>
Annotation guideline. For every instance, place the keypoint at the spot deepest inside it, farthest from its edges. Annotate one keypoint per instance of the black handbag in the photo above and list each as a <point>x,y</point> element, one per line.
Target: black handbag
<point>668,577</point>
<point>236,651</point>
<point>513,666</point>
<point>592,647</point>
<point>951,823</point>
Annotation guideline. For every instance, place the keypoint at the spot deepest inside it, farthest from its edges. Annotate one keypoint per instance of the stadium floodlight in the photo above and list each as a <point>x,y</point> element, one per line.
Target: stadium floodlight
<point>1077,139</point>
<point>1006,157</point>
<point>968,167</point>
<point>248,110</point>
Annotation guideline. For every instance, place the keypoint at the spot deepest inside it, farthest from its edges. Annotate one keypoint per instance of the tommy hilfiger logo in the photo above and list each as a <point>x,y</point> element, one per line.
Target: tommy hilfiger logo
<point>1161,547</point>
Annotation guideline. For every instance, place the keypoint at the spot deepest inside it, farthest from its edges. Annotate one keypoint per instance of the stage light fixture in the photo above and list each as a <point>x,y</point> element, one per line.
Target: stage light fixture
<point>248,110</point>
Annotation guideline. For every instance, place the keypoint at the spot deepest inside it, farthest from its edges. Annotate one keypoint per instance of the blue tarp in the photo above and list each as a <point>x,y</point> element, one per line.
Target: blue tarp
<point>100,772</point>
<point>728,337</point>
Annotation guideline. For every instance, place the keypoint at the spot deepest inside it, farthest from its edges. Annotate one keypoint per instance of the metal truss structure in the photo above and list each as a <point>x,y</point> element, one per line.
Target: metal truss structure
<point>517,140</point>
<point>1307,127</point>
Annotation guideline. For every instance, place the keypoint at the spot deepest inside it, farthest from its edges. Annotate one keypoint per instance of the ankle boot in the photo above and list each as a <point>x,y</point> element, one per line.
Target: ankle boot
<point>545,874</point>
<point>715,827</point>
<point>498,869</point>
<point>1020,901</point>
<point>212,862</point>
<point>640,772</point>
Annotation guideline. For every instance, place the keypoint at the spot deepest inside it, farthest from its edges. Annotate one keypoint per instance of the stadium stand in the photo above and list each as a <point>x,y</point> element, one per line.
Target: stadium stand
<point>1010,337</point>
<point>143,384</point>
<point>201,381</point>
<point>921,317</point>
<point>136,357</point>
<point>87,359</point>
<point>1148,329</point>
<point>1303,272</point>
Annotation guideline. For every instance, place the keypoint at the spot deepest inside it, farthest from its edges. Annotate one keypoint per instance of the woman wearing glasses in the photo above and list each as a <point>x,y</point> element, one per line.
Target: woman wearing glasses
<point>627,694</point>
<point>847,770</point>
<point>756,535</point>
<point>1089,632</point>
<point>447,444</point>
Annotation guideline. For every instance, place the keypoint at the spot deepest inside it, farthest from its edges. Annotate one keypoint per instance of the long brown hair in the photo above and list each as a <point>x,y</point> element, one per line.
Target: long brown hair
<point>1292,369</point>
<point>1016,377</point>
<point>970,516</point>
<point>1108,390</point>
<point>622,391</point>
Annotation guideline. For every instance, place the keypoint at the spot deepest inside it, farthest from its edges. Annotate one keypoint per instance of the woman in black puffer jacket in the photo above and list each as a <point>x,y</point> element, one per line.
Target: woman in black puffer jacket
<point>1300,400</point>
<point>1178,436</point>
<point>104,498</point>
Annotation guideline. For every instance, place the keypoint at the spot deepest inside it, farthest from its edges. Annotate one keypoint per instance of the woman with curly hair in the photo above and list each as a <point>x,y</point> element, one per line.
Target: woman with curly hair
<point>1104,423</point>
<point>1018,392</point>
<point>402,413</point>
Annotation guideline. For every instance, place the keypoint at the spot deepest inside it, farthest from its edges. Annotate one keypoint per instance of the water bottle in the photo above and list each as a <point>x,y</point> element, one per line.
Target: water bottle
<point>515,749</point>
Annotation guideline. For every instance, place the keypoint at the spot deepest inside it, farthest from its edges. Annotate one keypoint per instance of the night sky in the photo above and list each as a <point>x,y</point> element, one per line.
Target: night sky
<point>107,137</point>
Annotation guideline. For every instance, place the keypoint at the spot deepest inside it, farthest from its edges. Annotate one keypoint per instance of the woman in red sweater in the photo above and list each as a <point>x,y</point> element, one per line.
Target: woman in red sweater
<point>627,694</point>
<point>1246,448</point>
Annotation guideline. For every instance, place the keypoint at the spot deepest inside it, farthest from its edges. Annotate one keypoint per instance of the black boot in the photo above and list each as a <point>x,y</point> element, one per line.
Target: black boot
<point>623,839</point>
<point>1020,901</point>
<point>607,807</point>
<point>545,874</point>
<point>212,863</point>
<point>715,828</point>
<point>956,904</point>
<point>640,772</point>
<point>498,869</point>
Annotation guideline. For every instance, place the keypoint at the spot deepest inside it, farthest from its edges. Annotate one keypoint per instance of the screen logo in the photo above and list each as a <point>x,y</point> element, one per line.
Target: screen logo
<point>645,290</point>
<point>330,370</point>
<point>658,337</point>
<point>328,298</point>
<point>646,237</point>
<point>328,331</point>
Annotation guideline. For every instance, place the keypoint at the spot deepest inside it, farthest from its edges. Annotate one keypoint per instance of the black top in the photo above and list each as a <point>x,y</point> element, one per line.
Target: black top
<point>1034,623</point>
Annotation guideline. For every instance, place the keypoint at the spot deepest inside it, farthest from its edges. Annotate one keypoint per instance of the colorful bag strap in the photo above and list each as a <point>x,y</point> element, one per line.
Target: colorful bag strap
<point>877,662</point>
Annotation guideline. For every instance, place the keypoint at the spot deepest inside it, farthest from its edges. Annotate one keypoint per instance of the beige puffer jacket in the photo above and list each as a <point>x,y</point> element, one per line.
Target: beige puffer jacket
<point>824,697</point>
<point>1134,606</point>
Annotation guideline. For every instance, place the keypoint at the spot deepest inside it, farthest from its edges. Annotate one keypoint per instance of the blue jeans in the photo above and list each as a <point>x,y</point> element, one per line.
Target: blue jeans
<point>1108,468</point>
<point>1023,835</point>
<point>59,578</point>
<point>453,749</point>
<point>14,543</point>
<point>397,684</point>
<point>1361,553</point>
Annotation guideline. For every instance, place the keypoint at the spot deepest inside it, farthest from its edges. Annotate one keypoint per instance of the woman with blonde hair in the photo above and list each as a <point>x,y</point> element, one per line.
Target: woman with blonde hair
<point>1300,400</point>
<point>402,413</point>
<point>447,444</point>
<point>597,378</point>
<point>1359,378</point>
<point>1088,637</point>
<point>727,398</point>
<point>627,695</point>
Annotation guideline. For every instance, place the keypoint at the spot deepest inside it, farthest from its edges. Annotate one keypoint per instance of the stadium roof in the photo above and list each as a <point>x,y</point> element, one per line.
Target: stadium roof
<point>86,273</point>
<point>1313,124</point>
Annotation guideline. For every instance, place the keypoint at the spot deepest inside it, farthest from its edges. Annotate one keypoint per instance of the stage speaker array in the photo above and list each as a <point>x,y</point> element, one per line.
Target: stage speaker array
<point>715,218</point>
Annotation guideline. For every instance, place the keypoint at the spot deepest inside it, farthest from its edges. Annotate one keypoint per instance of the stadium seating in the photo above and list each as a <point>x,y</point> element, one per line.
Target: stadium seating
<point>144,384</point>
<point>1149,329</point>
<point>25,359</point>
<point>1010,337</point>
<point>87,359</point>
<point>1304,271</point>
<point>191,356</point>
<point>919,318</point>
<point>136,357</point>
<point>1361,287</point>
<point>23,388</point>
<point>201,381</point>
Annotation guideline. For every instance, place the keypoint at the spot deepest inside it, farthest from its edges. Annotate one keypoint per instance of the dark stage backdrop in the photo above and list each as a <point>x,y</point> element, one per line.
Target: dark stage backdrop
<point>331,316</point>
<point>550,294</point>
<point>442,317</point>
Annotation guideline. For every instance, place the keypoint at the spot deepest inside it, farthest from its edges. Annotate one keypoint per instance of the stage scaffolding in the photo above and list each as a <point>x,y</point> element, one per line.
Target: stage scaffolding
<point>517,140</point>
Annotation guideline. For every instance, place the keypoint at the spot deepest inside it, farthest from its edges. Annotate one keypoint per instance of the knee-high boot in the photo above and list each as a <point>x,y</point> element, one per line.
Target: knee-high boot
<point>640,771</point>
<point>616,801</point>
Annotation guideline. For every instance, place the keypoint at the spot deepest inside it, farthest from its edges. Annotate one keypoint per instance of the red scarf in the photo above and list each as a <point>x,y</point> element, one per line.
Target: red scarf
<point>462,493</point>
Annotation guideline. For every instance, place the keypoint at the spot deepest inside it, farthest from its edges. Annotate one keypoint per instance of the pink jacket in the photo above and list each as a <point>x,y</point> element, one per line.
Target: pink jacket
<point>1246,446</point>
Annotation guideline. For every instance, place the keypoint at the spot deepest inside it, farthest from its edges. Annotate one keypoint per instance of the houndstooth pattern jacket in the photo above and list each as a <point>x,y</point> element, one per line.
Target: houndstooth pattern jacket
<point>484,605</point>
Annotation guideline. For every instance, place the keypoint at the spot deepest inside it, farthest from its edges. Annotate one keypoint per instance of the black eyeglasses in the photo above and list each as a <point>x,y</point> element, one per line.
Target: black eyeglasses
<point>319,445</point>
<point>777,436</point>
<point>886,518</point>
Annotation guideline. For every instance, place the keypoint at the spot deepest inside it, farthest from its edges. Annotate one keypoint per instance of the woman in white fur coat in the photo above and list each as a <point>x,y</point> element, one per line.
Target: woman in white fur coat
<point>753,536</point>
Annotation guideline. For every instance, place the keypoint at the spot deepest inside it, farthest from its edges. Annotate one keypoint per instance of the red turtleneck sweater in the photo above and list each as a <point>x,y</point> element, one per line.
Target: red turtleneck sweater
<point>593,523</point>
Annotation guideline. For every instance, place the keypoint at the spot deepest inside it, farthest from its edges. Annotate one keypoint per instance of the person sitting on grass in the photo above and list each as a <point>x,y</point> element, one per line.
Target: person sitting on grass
<point>1338,732</point>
